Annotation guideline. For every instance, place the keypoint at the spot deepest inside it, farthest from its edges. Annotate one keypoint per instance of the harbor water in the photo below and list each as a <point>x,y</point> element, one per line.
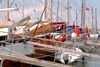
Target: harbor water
<point>88,62</point>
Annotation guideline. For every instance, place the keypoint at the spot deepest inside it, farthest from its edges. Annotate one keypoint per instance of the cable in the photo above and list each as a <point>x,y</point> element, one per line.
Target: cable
<point>11,4</point>
<point>0,1</point>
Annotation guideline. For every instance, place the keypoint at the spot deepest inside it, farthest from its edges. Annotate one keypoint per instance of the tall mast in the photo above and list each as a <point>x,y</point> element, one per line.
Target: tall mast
<point>51,10</point>
<point>96,18</point>
<point>34,10</point>
<point>76,16</point>
<point>7,16</point>
<point>89,14</point>
<point>3,8</point>
<point>23,10</point>
<point>44,4</point>
<point>61,9</point>
<point>84,14</point>
<point>57,10</point>
<point>68,12</point>
<point>92,21</point>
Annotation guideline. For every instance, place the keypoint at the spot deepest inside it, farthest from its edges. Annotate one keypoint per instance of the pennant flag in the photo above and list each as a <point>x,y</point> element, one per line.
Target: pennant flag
<point>76,30</point>
<point>64,36</point>
<point>64,28</point>
<point>9,20</point>
<point>70,7</point>
<point>87,8</point>
<point>86,31</point>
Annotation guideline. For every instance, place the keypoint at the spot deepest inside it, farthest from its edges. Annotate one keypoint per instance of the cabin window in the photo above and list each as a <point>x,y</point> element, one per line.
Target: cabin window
<point>3,38</point>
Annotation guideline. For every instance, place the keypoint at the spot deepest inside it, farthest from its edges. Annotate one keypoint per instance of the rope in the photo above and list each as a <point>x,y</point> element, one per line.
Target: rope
<point>16,6</point>
<point>11,4</point>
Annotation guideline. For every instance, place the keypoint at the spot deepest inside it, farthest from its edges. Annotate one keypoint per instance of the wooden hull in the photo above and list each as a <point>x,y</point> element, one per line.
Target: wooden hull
<point>42,53</point>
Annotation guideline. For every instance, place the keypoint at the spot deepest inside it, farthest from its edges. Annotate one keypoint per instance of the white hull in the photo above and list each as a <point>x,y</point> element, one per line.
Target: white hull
<point>19,49</point>
<point>65,57</point>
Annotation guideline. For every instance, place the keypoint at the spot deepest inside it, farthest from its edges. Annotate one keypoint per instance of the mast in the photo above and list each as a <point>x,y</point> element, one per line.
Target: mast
<point>68,12</point>
<point>3,8</point>
<point>7,5</point>
<point>89,14</point>
<point>76,16</point>
<point>92,21</point>
<point>23,10</point>
<point>61,9</point>
<point>96,18</point>
<point>57,10</point>
<point>44,4</point>
<point>84,14</point>
<point>34,10</point>
<point>51,10</point>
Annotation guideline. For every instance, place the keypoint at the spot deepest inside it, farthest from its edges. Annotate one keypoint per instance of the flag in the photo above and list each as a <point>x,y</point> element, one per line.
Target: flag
<point>86,31</point>
<point>9,20</point>
<point>64,28</point>
<point>64,36</point>
<point>76,30</point>
<point>70,7</point>
<point>87,8</point>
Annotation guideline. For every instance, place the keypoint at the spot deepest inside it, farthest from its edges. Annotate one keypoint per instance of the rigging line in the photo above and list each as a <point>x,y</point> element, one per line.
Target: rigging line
<point>11,4</point>
<point>78,8</point>
<point>64,9</point>
<point>94,5</point>
<point>78,15</point>
<point>47,6</point>
<point>52,2</point>
<point>37,11</point>
<point>28,8</point>
<point>91,15</point>
<point>76,4</point>
<point>78,12</point>
<point>12,13</point>
<point>55,14</point>
<point>33,9</point>
<point>86,18</point>
<point>0,1</point>
<point>17,7</point>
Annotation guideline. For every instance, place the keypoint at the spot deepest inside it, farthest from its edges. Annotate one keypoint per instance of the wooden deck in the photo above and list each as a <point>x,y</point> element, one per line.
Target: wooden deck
<point>33,61</point>
<point>67,50</point>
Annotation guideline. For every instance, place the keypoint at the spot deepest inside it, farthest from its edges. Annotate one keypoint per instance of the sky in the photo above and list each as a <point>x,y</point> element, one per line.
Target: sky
<point>75,4</point>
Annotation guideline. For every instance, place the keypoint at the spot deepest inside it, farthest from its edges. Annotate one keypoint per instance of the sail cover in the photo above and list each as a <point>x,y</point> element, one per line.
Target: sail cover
<point>58,25</point>
<point>42,30</point>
